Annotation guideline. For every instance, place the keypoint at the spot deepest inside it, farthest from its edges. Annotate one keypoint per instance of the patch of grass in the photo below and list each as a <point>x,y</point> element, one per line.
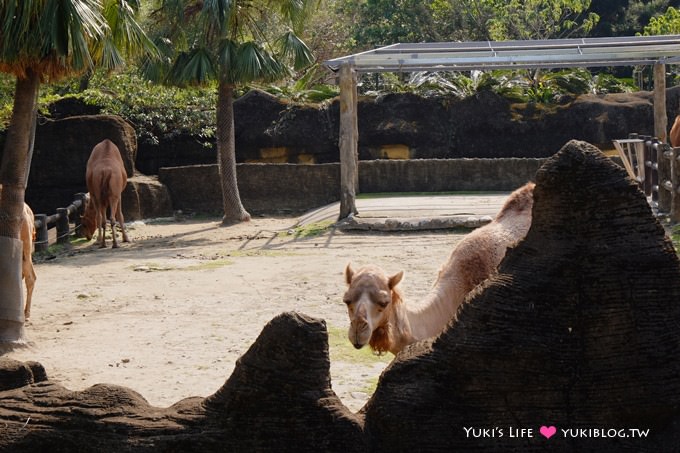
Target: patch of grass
<point>259,252</point>
<point>208,264</point>
<point>675,237</point>
<point>311,230</point>
<point>342,350</point>
<point>371,385</point>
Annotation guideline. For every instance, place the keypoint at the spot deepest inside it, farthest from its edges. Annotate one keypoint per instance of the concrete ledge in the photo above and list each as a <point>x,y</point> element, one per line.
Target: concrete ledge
<point>412,223</point>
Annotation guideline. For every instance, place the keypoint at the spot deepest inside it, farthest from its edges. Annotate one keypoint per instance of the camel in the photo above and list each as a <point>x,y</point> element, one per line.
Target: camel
<point>27,236</point>
<point>106,178</point>
<point>674,135</point>
<point>378,315</point>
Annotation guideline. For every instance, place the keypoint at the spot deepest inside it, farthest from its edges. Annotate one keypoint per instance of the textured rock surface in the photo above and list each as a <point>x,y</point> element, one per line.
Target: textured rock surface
<point>277,399</point>
<point>579,329</point>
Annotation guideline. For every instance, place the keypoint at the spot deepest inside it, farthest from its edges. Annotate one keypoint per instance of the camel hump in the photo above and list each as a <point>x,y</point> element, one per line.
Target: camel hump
<point>518,201</point>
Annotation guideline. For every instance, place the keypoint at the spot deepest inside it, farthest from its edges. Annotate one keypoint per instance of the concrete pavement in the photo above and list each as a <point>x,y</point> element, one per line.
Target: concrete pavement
<point>413,212</point>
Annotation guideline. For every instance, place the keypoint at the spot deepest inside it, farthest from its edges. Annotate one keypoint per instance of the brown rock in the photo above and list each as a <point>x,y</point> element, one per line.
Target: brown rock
<point>579,329</point>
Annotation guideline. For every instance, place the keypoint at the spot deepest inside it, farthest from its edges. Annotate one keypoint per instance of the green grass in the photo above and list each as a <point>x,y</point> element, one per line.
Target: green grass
<point>311,230</point>
<point>675,237</point>
<point>342,350</point>
<point>259,252</point>
<point>208,264</point>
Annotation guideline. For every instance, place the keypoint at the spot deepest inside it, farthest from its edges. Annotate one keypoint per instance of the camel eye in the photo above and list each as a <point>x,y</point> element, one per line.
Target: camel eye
<point>383,299</point>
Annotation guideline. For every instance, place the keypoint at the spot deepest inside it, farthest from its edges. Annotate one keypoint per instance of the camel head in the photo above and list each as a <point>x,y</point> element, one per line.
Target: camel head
<point>370,299</point>
<point>88,220</point>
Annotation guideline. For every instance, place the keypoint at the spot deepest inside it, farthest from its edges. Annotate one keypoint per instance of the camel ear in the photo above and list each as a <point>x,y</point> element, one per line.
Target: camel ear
<point>395,279</point>
<point>349,273</point>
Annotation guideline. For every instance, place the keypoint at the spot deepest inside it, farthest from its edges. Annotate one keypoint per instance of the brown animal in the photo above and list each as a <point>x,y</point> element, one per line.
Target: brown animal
<point>378,315</point>
<point>106,178</point>
<point>27,236</point>
<point>674,135</point>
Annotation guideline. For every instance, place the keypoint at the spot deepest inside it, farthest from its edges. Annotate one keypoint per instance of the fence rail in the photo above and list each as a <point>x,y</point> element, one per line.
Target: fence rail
<point>61,220</point>
<point>656,167</point>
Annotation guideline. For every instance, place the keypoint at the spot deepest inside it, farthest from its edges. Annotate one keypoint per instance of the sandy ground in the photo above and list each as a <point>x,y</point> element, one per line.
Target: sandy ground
<point>169,314</point>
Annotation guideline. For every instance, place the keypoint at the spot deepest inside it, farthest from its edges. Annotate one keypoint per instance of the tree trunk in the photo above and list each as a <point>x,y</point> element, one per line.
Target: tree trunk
<point>13,176</point>
<point>234,211</point>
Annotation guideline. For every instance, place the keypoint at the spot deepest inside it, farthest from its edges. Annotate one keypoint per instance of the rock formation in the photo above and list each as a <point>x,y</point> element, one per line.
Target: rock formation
<point>277,399</point>
<point>579,329</point>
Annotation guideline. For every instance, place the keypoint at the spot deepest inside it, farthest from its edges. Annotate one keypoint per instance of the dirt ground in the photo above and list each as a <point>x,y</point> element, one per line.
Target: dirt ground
<point>169,314</point>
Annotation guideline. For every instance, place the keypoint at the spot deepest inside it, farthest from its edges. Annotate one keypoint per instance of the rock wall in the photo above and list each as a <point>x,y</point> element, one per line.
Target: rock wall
<point>408,126</point>
<point>288,188</point>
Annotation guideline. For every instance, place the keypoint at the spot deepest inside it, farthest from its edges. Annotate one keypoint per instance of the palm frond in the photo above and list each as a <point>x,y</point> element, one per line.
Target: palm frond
<point>254,63</point>
<point>125,35</point>
<point>193,68</point>
<point>294,48</point>
<point>219,11</point>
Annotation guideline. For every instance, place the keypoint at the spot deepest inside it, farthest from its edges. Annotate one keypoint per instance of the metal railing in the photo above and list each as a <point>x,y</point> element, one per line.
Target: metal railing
<point>62,221</point>
<point>656,167</point>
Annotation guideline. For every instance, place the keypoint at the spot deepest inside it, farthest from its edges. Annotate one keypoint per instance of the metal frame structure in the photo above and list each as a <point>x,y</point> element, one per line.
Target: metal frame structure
<point>488,55</point>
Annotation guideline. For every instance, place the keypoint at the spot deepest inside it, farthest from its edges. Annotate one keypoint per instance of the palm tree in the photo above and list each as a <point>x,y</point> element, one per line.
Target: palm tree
<point>232,42</point>
<point>45,40</point>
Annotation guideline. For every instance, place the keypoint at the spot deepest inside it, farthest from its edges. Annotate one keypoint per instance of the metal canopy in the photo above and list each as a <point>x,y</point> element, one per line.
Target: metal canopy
<point>553,53</point>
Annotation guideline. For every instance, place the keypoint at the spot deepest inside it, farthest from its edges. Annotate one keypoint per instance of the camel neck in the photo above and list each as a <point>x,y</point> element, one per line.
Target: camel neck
<point>429,318</point>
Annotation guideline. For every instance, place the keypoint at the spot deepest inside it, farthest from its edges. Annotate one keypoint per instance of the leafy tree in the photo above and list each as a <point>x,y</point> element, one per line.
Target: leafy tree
<point>640,12</point>
<point>468,19</point>
<point>233,42</point>
<point>381,22</point>
<point>666,24</point>
<point>541,19</point>
<point>46,40</point>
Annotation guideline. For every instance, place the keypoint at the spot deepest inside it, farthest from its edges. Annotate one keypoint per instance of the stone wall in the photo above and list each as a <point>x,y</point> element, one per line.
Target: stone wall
<point>288,188</point>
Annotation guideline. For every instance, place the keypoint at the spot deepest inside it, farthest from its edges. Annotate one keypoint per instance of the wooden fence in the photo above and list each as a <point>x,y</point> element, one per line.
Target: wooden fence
<point>656,167</point>
<point>62,221</point>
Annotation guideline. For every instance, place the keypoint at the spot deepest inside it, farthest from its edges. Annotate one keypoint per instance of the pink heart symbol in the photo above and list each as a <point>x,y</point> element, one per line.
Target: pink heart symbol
<point>548,431</point>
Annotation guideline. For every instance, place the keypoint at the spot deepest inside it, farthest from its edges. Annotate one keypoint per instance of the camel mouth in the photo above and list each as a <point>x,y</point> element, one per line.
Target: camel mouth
<point>358,345</point>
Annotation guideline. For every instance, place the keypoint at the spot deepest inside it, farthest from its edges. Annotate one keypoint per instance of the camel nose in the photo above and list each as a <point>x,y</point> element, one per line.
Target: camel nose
<point>358,345</point>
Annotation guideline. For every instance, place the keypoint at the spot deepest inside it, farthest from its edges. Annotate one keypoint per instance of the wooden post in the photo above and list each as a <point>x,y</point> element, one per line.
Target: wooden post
<point>348,142</point>
<point>661,132</point>
<point>62,226</point>
<point>41,234</point>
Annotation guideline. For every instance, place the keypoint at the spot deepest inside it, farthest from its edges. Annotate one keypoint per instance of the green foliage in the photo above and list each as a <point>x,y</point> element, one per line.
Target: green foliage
<point>675,237</point>
<point>156,112</point>
<point>516,86</point>
<point>541,19</point>
<point>235,41</point>
<point>383,22</point>
<point>666,24</point>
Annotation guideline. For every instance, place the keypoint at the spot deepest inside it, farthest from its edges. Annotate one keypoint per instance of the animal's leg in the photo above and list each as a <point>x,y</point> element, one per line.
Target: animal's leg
<point>121,221</point>
<point>30,277</point>
<point>113,225</point>
<point>113,233</point>
<point>30,284</point>
<point>101,226</point>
